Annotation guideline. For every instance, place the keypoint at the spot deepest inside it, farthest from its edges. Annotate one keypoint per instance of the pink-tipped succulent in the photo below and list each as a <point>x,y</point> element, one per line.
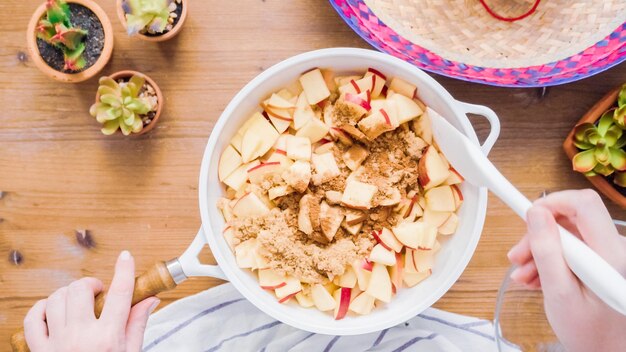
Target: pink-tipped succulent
<point>601,147</point>
<point>146,15</point>
<point>56,29</point>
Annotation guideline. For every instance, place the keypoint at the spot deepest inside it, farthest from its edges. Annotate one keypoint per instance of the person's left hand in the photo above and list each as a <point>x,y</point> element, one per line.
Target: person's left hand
<point>66,321</point>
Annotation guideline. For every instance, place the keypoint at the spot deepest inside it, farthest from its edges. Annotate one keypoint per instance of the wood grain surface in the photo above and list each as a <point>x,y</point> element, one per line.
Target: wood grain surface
<point>58,173</point>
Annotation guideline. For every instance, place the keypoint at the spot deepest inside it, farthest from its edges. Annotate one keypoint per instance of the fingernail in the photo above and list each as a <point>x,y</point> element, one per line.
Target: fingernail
<point>154,305</point>
<point>125,255</point>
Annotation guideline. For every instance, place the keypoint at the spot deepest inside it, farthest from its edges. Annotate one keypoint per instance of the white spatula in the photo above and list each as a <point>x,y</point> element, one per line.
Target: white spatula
<point>598,275</point>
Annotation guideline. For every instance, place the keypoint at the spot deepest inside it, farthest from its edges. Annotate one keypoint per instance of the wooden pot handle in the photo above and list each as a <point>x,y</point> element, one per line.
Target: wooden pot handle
<point>155,280</point>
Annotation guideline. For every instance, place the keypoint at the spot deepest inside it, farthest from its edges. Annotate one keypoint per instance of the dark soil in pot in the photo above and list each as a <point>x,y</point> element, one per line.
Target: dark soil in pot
<point>83,18</point>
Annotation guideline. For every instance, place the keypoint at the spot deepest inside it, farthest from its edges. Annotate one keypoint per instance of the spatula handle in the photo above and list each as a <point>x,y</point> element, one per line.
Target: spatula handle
<point>155,280</point>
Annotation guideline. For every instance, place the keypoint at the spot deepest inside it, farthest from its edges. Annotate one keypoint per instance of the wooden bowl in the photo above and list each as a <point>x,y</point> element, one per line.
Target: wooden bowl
<point>600,182</point>
<point>127,74</point>
<point>157,38</point>
<point>105,56</point>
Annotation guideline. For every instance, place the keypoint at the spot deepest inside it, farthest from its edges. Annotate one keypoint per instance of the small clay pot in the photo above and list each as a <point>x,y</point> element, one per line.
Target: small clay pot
<point>155,38</point>
<point>600,182</point>
<point>70,77</point>
<point>128,74</point>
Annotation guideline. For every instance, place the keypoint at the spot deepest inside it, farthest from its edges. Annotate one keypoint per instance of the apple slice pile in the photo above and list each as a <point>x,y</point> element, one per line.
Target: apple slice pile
<point>293,142</point>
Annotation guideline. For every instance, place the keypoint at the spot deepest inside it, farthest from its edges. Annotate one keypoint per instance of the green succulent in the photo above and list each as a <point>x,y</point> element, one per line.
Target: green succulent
<point>619,114</point>
<point>150,15</point>
<point>601,147</point>
<point>120,105</point>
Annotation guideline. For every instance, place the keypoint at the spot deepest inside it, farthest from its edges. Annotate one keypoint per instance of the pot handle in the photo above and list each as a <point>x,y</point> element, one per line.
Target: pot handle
<point>491,116</point>
<point>191,266</point>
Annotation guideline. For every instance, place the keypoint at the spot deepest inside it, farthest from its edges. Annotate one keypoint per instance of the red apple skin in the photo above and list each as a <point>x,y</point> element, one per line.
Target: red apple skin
<point>410,209</point>
<point>226,229</point>
<point>380,241</point>
<point>376,72</point>
<point>322,103</point>
<point>286,298</point>
<point>382,111</point>
<point>356,86</point>
<point>282,284</point>
<point>367,265</point>
<point>383,92</point>
<point>421,169</point>
<point>264,164</point>
<point>344,303</point>
<point>400,272</point>
<point>458,191</point>
<point>351,98</point>
<point>280,151</point>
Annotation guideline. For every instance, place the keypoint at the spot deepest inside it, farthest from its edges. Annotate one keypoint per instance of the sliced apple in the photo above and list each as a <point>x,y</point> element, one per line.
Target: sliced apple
<point>362,275</point>
<point>379,285</point>
<point>440,198</point>
<point>412,279</point>
<point>358,195</point>
<point>299,148</point>
<point>333,197</point>
<point>354,217</point>
<point>314,86</point>
<point>427,236</point>
<point>397,271</point>
<point>408,233</point>
<point>323,300</point>
<point>304,220</point>
<point>244,254</point>
<point>281,125</point>
<point>407,108</point>
<point>323,146</point>
<point>250,205</point>
<point>280,102</point>
<point>279,191</point>
<point>435,218</point>
<point>238,137</point>
<point>270,279</point>
<point>352,229</point>
<point>298,175</point>
<point>392,198</point>
<point>450,226</point>
<point>423,260</point>
<point>362,304</point>
<point>431,169</point>
<point>230,160</point>
<point>258,173</point>
<point>229,236</point>
<point>454,178</point>
<point>389,240</point>
<point>348,279</point>
<point>304,300</point>
<point>458,196</point>
<point>292,287</point>
<point>403,87</point>
<point>342,302</point>
<point>314,130</point>
<point>258,139</point>
<point>330,220</point>
<point>379,82</point>
<point>355,133</point>
<point>325,168</point>
<point>302,113</point>
<point>377,123</point>
<point>382,255</point>
<point>238,178</point>
<point>354,157</point>
<point>409,263</point>
<point>340,135</point>
<point>422,126</point>
<point>358,103</point>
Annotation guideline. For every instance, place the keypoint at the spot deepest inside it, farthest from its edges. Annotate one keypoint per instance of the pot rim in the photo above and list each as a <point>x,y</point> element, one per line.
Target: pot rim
<point>159,94</point>
<point>159,38</point>
<point>103,59</point>
<point>592,115</point>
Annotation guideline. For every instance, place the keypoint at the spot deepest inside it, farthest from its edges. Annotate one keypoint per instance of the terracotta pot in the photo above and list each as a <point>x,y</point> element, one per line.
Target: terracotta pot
<point>79,76</point>
<point>159,94</point>
<point>600,182</point>
<point>157,38</point>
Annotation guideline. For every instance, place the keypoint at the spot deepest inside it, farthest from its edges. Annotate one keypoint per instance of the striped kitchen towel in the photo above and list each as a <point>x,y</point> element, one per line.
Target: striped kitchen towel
<point>220,319</point>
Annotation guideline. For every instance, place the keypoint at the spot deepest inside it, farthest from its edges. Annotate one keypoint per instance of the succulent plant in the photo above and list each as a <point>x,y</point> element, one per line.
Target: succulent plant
<point>56,29</point>
<point>151,15</point>
<point>121,105</point>
<point>619,114</point>
<point>601,147</point>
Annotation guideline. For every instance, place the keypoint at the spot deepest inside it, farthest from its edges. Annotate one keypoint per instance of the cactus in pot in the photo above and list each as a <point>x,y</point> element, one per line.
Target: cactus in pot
<point>147,15</point>
<point>57,29</point>
<point>123,105</point>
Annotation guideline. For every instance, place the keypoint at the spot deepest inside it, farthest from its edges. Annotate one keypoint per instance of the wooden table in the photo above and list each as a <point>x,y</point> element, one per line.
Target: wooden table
<point>59,173</point>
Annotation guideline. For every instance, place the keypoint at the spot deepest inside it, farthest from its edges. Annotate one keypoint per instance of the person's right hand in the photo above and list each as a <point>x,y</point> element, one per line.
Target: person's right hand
<point>581,321</point>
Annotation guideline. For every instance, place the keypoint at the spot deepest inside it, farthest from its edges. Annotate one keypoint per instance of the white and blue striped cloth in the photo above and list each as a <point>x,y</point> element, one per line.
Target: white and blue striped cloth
<point>220,319</point>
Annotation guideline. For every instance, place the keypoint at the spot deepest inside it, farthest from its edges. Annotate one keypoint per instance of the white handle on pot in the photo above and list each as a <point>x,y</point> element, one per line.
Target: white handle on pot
<point>491,116</point>
<point>190,264</point>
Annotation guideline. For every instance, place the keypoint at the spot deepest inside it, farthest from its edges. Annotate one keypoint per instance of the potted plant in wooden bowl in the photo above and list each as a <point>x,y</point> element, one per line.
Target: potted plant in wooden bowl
<point>70,41</point>
<point>129,102</point>
<point>596,145</point>
<point>152,20</point>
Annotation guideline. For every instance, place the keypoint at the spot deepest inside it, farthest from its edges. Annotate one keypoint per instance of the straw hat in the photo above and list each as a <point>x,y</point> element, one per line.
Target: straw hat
<point>463,30</point>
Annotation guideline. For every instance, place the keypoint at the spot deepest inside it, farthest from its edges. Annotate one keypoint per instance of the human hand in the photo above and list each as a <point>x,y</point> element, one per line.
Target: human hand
<point>580,320</point>
<point>66,321</point>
